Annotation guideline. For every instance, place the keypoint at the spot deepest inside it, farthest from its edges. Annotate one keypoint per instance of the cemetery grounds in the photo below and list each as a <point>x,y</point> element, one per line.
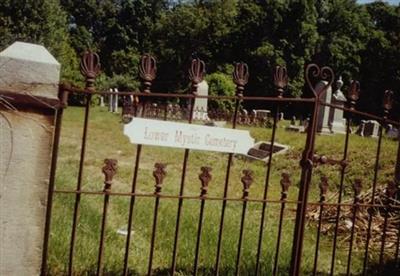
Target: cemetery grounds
<point>106,140</point>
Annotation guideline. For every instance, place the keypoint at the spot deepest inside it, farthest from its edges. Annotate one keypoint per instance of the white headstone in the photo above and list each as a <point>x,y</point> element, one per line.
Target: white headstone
<point>113,101</point>
<point>110,101</point>
<point>29,68</point>
<point>200,104</point>
<point>371,129</point>
<point>115,108</point>
<point>336,120</point>
<point>393,133</point>
<point>323,124</point>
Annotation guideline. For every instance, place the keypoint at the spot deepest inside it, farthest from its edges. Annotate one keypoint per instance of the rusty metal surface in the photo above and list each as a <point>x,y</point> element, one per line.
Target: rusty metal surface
<point>309,163</point>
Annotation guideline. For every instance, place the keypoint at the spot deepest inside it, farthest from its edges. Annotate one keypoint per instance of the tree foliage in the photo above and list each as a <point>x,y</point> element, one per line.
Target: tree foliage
<point>358,41</point>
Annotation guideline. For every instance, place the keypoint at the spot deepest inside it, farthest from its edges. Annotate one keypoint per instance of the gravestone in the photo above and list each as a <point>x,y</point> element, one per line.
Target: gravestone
<point>115,109</point>
<point>360,129</point>
<point>323,123</point>
<point>293,127</point>
<point>29,78</point>
<point>200,104</point>
<point>371,129</point>
<point>110,101</point>
<point>113,101</point>
<point>262,114</point>
<point>261,150</point>
<point>293,121</point>
<point>392,133</point>
<point>336,121</point>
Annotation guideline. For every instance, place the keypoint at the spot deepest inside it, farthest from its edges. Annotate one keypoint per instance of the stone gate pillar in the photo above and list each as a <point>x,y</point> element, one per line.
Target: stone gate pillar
<point>29,78</point>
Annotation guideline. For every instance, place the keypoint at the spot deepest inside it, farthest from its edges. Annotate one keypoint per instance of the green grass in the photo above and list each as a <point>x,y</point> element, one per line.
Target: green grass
<point>106,140</point>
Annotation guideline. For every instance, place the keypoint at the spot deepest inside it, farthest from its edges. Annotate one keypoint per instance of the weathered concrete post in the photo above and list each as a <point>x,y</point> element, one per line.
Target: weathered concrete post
<point>29,78</point>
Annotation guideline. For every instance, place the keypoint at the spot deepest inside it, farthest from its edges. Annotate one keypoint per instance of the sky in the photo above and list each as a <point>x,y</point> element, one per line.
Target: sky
<point>394,2</point>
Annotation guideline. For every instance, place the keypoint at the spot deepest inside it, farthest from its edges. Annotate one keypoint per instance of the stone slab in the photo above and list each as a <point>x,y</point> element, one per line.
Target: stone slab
<point>260,150</point>
<point>28,68</point>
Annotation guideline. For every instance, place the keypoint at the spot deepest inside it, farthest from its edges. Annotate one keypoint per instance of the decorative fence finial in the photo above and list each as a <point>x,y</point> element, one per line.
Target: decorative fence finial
<point>147,71</point>
<point>197,71</point>
<point>240,77</point>
<point>90,68</point>
<point>205,178</point>
<point>354,93</point>
<point>109,170</point>
<point>159,174</point>
<point>247,180</point>
<point>285,184</point>
<point>322,74</point>
<point>280,79</point>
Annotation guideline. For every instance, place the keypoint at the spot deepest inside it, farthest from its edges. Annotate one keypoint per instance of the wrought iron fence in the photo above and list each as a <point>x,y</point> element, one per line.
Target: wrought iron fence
<point>324,210</point>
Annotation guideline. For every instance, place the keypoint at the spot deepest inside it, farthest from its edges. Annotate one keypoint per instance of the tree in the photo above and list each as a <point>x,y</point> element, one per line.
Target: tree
<point>42,22</point>
<point>380,67</point>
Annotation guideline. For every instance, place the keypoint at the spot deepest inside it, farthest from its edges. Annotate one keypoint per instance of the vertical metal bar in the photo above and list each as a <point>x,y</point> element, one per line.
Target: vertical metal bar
<point>90,67</point>
<point>397,183</point>
<point>357,189</point>
<point>131,207</point>
<point>180,202</point>
<point>199,229</point>
<point>205,178</point>
<point>196,74</point>
<point>222,220</point>
<point>323,189</point>
<point>354,92</point>
<point>383,242</point>
<point>338,210</point>
<point>365,263</point>
<point>397,170</point>
<point>387,105</point>
<point>247,180</point>
<point>240,78</point>
<point>285,183</point>
<point>391,191</point>
<point>159,174</point>
<point>78,187</point>
<point>306,164</point>
<point>280,81</point>
<point>397,253</point>
<point>147,69</point>
<point>153,235</point>
<point>53,168</point>
<point>109,170</point>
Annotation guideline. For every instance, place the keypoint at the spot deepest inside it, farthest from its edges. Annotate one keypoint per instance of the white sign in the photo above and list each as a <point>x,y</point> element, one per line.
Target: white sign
<point>188,136</point>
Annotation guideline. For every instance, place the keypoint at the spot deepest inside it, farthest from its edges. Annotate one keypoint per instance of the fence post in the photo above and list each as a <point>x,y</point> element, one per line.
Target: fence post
<point>29,78</point>
<point>315,72</point>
